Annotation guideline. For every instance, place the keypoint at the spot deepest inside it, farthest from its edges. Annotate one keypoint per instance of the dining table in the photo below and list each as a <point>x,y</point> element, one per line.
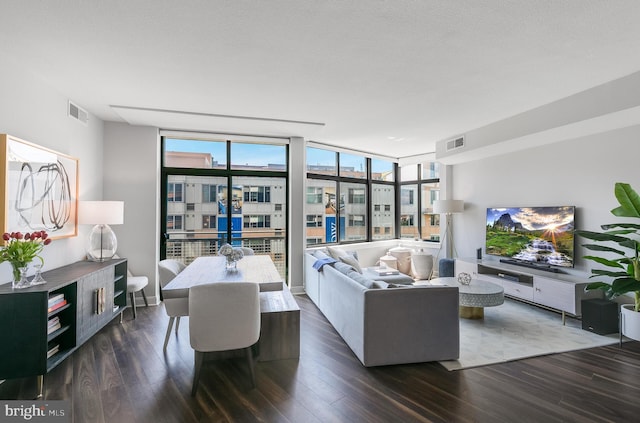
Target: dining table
<point>279,311</point>
<point>257,268</point>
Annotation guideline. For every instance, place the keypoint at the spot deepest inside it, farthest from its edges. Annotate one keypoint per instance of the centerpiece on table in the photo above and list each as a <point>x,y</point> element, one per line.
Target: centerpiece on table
<point>20,250</point>
<point>233,255</point>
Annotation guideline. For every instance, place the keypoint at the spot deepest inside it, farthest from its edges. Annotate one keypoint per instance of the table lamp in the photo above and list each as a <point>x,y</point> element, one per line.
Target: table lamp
<point>102,242</point>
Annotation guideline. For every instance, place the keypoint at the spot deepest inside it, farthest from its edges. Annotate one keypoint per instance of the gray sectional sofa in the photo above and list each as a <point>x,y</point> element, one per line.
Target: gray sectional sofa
<point>385,324</point>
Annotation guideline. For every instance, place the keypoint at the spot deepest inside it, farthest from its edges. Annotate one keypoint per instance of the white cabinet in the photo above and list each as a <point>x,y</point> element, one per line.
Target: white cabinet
<point>555,294</point>
<point>556,291</point>
<point>518,290</point>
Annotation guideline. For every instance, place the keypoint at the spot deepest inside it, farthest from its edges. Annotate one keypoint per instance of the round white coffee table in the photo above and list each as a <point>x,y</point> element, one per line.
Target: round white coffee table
<point>473,298</point>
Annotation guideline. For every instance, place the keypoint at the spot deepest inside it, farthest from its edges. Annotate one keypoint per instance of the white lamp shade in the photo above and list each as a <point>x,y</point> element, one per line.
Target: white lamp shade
<point>101,212</point>
<point>448,206</point>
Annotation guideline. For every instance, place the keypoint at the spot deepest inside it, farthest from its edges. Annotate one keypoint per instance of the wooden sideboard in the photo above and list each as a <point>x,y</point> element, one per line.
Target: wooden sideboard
<point>94,294</point>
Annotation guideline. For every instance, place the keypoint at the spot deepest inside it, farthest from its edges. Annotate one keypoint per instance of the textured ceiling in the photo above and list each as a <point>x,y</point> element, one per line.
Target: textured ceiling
<point>387,77</point>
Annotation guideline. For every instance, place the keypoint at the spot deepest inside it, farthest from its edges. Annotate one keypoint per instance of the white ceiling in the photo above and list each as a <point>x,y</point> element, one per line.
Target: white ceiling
<point>389,77</point>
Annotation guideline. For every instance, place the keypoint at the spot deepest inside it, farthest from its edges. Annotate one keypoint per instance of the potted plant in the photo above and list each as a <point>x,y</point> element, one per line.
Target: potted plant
<point>622,258</point>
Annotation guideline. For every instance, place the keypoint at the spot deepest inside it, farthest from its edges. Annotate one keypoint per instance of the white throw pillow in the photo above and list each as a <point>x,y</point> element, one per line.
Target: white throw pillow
<point>345,257</point>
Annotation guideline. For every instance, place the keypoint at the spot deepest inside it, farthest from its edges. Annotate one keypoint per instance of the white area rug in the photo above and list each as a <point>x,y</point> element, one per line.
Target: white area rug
<point>517,330</point>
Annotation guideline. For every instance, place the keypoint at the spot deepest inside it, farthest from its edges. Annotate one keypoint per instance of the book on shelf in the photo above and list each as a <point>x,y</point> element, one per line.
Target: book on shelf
<point>57,306</point>
<point>54,299</point>
<point>53,350</point>
<point>53,321</point>
<point>53,328</point>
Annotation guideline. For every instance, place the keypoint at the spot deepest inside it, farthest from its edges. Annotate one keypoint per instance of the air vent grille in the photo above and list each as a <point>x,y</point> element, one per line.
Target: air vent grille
<point>455,143</point>
<point>78,113</point>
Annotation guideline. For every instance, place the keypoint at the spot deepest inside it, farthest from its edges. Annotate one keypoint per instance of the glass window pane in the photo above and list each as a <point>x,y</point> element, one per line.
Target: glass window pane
<point>430,221</point>
<point>381,170</point>
<point>193,223</point>
<point>383,217</point>
<point>247,156</point>
<point>321,210</point>
<point>321,161</point>
<point>409,211</point>
<point>409,173</point>
<point>430,170</point>
<point>355,212</point>
<point>352,166</point>
<point>198,154</point>
<point>258,218</point>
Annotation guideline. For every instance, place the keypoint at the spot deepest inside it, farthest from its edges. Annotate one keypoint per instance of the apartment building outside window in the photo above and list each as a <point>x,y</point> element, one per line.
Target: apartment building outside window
<point>314,221</point>
<point>174,192</point>
<point>236,191</point>
<point>174,222</point>
<point>209,193</point>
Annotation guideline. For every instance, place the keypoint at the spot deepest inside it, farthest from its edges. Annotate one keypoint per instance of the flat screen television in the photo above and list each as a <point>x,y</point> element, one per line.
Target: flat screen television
<point>532,236</point>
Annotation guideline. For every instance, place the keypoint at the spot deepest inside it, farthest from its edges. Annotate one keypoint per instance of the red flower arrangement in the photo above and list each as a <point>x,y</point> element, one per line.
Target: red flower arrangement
<point>21,249</point>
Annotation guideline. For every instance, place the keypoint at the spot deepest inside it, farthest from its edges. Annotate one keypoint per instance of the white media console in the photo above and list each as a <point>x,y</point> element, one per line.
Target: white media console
<point>557,291</point>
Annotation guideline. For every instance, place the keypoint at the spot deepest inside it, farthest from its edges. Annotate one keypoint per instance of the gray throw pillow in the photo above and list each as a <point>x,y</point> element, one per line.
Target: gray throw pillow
<point>320,254</point>
<point>343,267</point>
<point>366,282</point>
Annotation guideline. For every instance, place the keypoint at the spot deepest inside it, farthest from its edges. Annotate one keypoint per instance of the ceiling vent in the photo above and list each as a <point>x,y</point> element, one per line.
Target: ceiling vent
<point>78,113</point>
<point>455,143</point>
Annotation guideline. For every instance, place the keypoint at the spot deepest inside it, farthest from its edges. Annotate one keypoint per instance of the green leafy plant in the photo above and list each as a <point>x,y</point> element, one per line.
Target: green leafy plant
<point>21,249</point>
<point>625,263</point>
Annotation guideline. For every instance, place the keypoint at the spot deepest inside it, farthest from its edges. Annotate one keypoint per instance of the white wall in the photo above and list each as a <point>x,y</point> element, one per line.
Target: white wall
<point>32,110</point>
<point>579,172</point>
<point>132,174</point>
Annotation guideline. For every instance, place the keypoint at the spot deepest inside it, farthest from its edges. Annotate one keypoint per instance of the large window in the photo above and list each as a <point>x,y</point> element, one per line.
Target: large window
<point>383,218</point>
<point>210,200</point>
<point>343,203</point>
<point>322,227</point>
<point>417,195</point>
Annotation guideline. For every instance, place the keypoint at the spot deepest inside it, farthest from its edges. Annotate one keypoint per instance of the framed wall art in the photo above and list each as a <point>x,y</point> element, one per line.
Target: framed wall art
<point>40,189</point>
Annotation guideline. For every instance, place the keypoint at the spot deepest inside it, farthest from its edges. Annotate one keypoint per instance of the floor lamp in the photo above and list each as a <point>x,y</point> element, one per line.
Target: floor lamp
<point>448,208</point>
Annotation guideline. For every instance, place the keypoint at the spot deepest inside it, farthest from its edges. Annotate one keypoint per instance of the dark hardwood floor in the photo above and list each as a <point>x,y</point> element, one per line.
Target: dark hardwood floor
<point>122,375</point>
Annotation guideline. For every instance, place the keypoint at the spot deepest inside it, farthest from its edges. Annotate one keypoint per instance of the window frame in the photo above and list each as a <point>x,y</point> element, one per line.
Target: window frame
<point>367,183</point>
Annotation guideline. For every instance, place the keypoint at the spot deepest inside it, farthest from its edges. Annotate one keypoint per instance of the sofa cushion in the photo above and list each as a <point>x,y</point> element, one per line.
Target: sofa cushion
<point>350,258</point>
<point>362,280</point>
<point>380,284</point>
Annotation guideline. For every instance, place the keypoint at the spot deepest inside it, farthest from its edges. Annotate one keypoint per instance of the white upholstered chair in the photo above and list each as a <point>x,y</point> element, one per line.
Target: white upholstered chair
<point>223,316</point>
<point>175,307</point>
<point>135,284</point>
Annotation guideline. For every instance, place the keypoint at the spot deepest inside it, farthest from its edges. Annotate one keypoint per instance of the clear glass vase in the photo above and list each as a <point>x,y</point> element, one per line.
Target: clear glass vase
<point>20,280</point>
<point>232,264</point>
<point>38,279</point>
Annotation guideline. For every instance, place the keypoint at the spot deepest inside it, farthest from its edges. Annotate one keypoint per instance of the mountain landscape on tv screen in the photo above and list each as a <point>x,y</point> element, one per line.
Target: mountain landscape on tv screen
<point>541,235</point>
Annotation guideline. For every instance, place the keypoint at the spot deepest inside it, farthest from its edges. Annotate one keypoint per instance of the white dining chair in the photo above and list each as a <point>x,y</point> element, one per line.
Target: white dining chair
<point>135,284</point>
<point>174,307</point>
<point>223,316</point>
